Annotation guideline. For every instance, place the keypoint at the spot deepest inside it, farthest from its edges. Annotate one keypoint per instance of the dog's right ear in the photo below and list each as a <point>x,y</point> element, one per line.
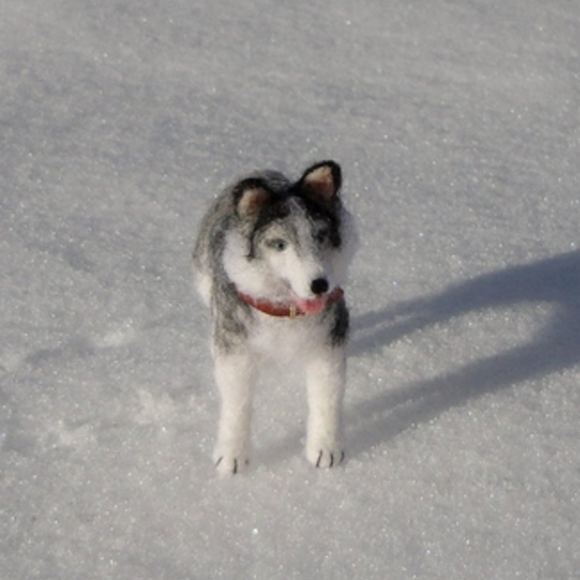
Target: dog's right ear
<point>322,181</point>
<point>250,196</point>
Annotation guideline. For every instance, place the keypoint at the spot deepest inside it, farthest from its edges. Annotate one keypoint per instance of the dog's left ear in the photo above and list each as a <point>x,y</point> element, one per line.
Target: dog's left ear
<point>322,181</point>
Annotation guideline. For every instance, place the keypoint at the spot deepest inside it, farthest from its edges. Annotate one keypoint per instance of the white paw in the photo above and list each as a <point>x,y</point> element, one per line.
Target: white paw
<point>325,456</point>
<point>228,463</point>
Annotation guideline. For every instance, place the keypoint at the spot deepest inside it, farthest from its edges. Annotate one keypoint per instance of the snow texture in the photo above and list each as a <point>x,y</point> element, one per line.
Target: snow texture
<point>458,129</point>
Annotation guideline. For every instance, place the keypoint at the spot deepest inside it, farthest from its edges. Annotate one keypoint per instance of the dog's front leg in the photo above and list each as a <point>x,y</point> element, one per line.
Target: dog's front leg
<point>235,374</point>
<point>326,377</point>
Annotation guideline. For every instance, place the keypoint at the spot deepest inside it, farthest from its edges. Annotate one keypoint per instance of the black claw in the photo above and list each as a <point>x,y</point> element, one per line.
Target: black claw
<point>332,461</point>
<point>235,468</point>
<point>319,459</point>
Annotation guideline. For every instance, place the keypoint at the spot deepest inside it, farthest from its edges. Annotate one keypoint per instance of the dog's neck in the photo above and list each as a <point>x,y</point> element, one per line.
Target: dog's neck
<point>282,310</point>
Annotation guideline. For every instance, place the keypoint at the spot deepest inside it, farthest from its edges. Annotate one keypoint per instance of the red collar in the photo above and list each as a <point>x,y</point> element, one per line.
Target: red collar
<point>285,310</point>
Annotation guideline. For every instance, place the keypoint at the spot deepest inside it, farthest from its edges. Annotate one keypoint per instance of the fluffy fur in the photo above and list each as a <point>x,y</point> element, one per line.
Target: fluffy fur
<point>286,244</point>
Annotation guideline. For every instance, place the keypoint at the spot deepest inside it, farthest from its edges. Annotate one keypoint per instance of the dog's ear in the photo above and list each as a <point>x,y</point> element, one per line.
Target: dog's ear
<point>250,196</point>
<point>322,181</point>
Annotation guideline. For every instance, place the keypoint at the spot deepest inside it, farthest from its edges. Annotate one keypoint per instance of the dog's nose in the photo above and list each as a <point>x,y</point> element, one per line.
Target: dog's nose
<point>319,286</point>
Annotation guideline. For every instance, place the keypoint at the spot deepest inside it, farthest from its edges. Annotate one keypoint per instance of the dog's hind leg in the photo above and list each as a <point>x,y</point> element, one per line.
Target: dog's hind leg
<point>325,376</point>
<point>235,375</point>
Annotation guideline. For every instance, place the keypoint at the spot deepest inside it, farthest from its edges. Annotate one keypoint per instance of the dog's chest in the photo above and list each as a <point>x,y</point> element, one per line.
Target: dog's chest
<point>285,339</point>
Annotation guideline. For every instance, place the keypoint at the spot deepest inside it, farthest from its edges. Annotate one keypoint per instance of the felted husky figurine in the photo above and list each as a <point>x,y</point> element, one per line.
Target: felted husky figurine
<point>270,261</point>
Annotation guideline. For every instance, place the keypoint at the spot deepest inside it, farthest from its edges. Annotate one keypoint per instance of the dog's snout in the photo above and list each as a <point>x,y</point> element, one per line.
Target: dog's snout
<point>319,286</point>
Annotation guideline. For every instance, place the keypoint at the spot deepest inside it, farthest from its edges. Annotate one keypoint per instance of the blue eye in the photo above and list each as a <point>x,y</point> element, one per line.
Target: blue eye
<point>277,244</point>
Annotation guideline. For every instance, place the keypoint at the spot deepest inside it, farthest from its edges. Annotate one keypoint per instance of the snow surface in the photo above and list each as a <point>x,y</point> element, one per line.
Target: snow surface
<point>458,128</point>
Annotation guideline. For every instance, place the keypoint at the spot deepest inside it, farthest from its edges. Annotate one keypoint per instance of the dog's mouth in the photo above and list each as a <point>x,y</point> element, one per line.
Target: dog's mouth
<point>312,305</point>
<point>317,303</point>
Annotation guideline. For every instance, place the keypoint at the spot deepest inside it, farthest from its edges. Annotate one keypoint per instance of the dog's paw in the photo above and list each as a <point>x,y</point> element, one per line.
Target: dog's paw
<point>325,457</point>
<point>231,464</point>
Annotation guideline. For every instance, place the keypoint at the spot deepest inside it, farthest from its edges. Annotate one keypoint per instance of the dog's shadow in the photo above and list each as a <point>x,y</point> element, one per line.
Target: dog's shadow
<point>554,348</point>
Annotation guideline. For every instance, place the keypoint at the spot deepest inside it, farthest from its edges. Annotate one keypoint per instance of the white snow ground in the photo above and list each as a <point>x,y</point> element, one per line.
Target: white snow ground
<point>458,128</point>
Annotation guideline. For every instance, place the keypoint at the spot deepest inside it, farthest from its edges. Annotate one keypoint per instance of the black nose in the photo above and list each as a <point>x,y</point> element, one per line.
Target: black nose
<point>319,286</point>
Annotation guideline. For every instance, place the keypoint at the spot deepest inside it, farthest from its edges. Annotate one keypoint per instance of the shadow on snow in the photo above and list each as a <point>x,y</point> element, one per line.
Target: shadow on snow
<point>556,347</point>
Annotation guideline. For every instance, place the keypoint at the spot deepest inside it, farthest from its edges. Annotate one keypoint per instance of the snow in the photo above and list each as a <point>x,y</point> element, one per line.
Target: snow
<point>457,127</point>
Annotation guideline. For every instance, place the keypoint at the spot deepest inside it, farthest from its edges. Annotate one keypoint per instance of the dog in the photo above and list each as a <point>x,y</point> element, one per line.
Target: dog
<point>270,261</point>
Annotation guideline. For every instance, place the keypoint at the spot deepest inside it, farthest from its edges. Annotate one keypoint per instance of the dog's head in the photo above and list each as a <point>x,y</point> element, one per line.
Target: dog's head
<point>289,240</point>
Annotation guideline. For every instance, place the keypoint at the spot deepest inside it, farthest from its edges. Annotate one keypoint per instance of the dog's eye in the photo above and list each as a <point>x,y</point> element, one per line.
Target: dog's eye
<point>321,234</point>
<point>277,244</point>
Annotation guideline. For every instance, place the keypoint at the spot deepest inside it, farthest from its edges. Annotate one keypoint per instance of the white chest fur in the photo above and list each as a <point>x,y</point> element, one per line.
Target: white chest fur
<point>285,339</point>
